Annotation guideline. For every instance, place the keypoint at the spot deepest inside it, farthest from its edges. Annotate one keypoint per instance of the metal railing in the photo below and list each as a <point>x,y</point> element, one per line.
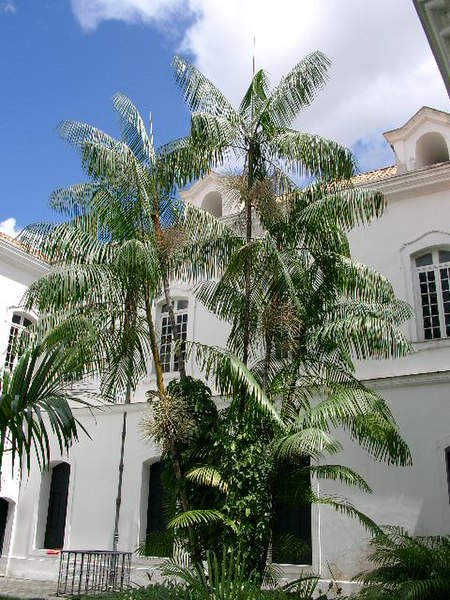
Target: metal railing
<point>93,571</point>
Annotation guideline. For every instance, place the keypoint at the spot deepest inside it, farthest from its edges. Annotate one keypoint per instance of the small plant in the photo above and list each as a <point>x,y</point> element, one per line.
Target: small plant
<point>410,567</point>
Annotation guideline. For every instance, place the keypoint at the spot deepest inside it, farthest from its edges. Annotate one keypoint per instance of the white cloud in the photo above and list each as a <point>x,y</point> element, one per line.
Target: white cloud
<point>8,227</point>
<point>382,73</point>
<point>90,13</point>
<point>8,7</point>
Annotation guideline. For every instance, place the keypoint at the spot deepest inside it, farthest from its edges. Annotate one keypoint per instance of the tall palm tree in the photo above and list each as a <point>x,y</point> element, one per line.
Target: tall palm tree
<point>299,307</point>
<point>260,134</point>
<point>116,254</point>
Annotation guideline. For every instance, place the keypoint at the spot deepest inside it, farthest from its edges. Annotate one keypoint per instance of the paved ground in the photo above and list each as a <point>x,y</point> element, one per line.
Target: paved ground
<point>27,588</point>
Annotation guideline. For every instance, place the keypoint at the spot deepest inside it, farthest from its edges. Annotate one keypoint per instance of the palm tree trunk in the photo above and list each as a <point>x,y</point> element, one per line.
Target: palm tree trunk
<point>267,358</point>
<point>130,314</point>
<point>171,442</point>
<point>154,347</point>
<point>248,266</point>
<point>119,485</point>
<point>167,295</point>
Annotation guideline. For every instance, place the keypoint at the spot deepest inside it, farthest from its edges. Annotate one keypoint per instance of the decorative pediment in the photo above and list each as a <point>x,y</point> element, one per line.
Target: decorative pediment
<point>214,193</point>
<point>423,141</point>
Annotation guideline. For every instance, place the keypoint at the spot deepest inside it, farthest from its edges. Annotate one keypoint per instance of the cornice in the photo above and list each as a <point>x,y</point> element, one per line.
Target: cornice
<point>22,258</point>
<point>413,379</point>
<point>433,178</point>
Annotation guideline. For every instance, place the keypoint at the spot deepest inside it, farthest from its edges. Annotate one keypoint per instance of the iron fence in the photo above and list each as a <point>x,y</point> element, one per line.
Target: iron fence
<point>93,571</point>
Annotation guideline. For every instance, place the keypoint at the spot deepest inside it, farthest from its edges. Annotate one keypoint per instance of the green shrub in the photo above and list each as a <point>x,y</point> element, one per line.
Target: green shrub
<point>410,567</point>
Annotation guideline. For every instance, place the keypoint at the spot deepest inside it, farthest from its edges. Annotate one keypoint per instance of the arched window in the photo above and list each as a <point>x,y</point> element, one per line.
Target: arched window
<point>431,149</point>
<point>212,203</point>
<point>291,534</point>
<point>19,323</point>
<point>156,516</point>
<point>168,359</point>
<point>57,506</point>
<point>433,279</point>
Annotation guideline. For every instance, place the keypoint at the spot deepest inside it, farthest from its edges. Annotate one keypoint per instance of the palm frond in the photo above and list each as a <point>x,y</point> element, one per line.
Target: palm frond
<point>341,474</point>
<point>35,402</point>
<point>310,442</point>
<point>133,129</point>
<point>312,155</point>
<point>345,507</point>
<point>298,88</point>
<point>232,376</point>
<point>410,567</point>
<point>198,91</point>
<point>198,517</point>
<point>208,476</point>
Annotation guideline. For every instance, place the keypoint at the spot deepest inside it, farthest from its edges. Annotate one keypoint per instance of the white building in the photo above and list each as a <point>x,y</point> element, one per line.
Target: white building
<point>410,245</point>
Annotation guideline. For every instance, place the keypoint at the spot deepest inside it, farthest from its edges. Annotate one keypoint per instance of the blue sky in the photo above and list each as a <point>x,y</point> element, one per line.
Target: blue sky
<point>62,59</point>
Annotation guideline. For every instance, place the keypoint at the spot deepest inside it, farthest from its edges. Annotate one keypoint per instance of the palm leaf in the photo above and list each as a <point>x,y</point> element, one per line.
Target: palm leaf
<point>231,376</point>
<point>208,476</point>
<point>298,88</point>
<point>198,91</point>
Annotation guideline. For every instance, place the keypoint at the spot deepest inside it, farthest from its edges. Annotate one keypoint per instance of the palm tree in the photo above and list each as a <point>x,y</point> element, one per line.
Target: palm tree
<point>298,305</point>
<point>260,133</point>
<point>36,402</point>
<point>116,255</point>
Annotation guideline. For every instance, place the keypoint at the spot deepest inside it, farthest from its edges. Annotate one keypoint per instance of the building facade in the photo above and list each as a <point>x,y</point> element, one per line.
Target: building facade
<point>73,504</point>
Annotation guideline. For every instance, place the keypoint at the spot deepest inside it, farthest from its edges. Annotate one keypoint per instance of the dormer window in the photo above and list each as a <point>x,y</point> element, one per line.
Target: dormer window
<point>433,276</point>
<point>422,141</point>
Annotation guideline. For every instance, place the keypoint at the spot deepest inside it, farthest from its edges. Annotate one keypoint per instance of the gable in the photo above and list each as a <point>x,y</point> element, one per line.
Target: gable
<point>423,141</point>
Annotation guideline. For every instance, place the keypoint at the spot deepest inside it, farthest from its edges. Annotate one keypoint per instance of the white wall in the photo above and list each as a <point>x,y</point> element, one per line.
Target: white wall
<point>416,387</point>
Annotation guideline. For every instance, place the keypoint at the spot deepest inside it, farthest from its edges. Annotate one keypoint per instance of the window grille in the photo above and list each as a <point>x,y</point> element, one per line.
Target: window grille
<point>433,273</point>
<point>169,361</point>
<point>18,324</point>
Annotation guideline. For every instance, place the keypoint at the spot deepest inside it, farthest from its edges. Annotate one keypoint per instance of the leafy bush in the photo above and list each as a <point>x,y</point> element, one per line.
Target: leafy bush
<point>411,567</point>
<point>156,591</point>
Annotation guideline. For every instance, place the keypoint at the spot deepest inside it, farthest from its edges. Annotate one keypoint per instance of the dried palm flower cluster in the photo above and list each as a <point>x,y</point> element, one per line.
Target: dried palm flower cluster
<point>167,422</point>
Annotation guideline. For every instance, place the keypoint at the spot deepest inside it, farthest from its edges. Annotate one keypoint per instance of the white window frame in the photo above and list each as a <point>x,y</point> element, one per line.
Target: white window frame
<point>433,287</point>
<point>409,251</point>
<point>166,345</point>
<point>15,330</point>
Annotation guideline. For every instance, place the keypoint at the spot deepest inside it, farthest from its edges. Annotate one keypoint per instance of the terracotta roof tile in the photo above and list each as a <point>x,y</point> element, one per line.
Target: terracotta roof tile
<point>23,247</point>
<point>375,175</point>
